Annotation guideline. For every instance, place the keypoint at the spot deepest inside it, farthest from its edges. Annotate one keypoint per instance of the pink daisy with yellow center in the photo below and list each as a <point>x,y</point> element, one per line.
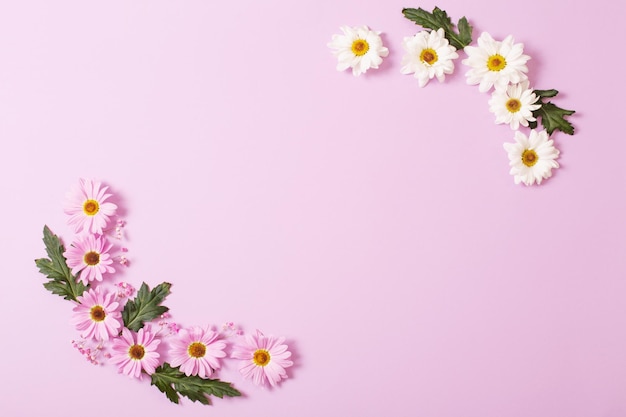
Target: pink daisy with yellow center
<point>197,351</point>
<point>97,315</point>
<point>87,207</point>
<point>89,256</point>
<point>264,358</point>
<point>134,352</point>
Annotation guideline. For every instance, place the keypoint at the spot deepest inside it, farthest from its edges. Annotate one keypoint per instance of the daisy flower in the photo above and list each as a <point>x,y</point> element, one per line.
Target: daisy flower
<point>197,351</point>
<point>495,63</point>
<point>133,352</point>
<point>98,315</point>
<point>428,55</point>
<point>89,256</point>
<point>358,48</point>
<point>87,207</point>
<point>514,105</point>
<point>532,158</point>
<point>264,358</point>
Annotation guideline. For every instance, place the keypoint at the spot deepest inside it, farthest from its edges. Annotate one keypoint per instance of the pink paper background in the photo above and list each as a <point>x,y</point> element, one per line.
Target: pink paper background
<point>371,222</point>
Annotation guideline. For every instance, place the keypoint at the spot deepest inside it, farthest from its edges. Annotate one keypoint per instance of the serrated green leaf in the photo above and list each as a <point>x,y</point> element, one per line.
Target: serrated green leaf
<point>426,19</point>
<point>56,288</point>
<point>435,20</point>
<point>546,93</point>
<point>442,16</point>
<point>439,19</point>
<point>174,383</point>
<point>145,306</point>
<point>465,31</point>
<point>55,268</point>
<point>164,384</point>
<point>553,118</point>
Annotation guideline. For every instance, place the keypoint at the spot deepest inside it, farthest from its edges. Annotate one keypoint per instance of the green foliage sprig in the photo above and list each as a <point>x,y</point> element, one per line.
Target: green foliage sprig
<point>55,268</point>
<point>439,19</point>
<point>146,306</point>
<point>552,117</point>
<point>174,383</point>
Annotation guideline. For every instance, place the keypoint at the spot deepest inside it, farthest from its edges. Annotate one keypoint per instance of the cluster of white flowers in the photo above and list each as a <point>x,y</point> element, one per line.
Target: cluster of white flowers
<point>500,65</point>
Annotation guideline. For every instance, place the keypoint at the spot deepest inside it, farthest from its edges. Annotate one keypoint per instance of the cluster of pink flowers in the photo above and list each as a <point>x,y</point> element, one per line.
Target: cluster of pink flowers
<point>91,350</point>
<point>98,313</point>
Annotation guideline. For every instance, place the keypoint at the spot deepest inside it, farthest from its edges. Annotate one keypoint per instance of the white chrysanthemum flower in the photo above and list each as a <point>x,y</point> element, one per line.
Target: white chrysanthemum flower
<point>515,105</point>
<point>495,63</point>
<point>532,158</point>
<point>429,55</point>
<point>358,48</point>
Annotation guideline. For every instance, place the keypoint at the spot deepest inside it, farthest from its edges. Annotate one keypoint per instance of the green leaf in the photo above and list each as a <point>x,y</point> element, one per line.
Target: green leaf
<point>553,118</point>
<point>55,268</point>
<point>545,93</point>
<point>465,32</point>
<point>174,383</point>
<point>439,19</point>
<point>146,306</point>
<point>435,20</point>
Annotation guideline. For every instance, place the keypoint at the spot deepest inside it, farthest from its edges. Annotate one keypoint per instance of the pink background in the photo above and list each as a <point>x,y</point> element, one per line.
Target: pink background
<point>371,222</point>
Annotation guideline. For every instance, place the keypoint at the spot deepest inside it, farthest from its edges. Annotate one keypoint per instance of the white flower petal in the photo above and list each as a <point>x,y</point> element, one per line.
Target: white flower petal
<point>341,46</point>
<point>544,150</point>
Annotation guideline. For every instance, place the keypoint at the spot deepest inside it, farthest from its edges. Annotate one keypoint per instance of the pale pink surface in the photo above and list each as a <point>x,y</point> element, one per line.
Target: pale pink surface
<point>371,222</point>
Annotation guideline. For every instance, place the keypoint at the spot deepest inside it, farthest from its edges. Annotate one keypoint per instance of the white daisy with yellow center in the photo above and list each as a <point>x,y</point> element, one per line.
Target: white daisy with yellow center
<point>515,105</point>
<point>358,48</point>
<point>532,158</point>
<point>428,55</point>
<point>495,63</point>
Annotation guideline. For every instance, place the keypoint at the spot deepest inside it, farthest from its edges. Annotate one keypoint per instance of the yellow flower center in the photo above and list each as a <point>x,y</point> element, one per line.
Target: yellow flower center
<point>513,105</point>
<point>97,313</point>
<point>136,352</point>
<point>496,62</point>
<point>429,56</point>
<point>92,258</point>
<point>197,350</point>
<point>91,207</point>
<point>529,157</point>
<point>360,47</point>
<point>261,357</point>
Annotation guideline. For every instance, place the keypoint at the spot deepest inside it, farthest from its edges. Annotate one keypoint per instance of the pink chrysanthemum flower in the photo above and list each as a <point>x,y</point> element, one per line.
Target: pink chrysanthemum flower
<point>87,207</point>
<point>133,352</point>
<point>97,315</point>
<point>264,358</point>
<point>197,351</point>
<point>89,256</point>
